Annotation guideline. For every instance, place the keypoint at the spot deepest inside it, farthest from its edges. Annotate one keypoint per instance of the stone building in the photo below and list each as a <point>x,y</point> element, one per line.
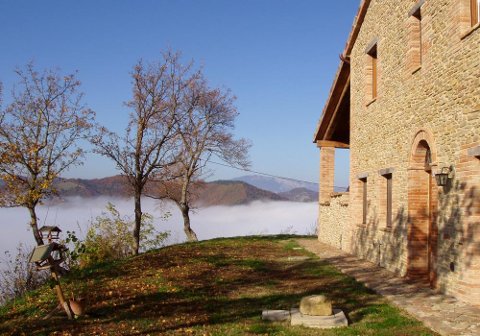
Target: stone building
<point>406,102</point>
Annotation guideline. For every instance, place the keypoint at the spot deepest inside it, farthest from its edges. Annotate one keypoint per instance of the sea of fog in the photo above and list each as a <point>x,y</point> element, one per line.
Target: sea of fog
<point>257,218</point>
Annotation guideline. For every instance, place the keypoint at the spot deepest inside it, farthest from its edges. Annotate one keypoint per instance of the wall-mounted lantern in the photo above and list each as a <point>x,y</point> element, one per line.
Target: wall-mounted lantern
<point>443,175</point>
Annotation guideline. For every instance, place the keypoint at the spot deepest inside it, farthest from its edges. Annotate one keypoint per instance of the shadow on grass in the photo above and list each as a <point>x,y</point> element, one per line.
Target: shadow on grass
<point>207,284</point>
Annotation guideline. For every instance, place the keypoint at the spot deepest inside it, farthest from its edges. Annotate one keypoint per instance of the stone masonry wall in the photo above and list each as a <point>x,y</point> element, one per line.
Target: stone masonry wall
<point>440,95</point>
<point>332,219</point>
<point>327,174</point>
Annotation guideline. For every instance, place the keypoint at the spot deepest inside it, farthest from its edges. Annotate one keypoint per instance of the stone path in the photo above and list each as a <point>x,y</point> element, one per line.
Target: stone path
<point>441,313</point>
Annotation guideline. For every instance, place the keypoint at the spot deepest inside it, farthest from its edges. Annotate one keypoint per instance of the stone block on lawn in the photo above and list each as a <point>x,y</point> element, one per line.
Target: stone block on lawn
<point>275,315</point>
<point>337,320</point>
<point>316,305</point>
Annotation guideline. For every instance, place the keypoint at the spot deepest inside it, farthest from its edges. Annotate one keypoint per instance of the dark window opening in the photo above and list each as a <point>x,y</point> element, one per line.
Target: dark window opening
<point>389,200</point>
<point>373,56</point>
<point>418,16</point>
<point>365,202</point>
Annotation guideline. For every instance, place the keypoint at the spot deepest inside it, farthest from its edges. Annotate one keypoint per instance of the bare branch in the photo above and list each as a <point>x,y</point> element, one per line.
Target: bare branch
<point>204,128</point>
<point>38,133</point>
<point>148,147</point>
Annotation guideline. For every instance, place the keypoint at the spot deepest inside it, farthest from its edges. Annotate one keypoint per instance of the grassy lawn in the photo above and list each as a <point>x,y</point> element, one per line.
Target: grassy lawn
<point>217,287</point>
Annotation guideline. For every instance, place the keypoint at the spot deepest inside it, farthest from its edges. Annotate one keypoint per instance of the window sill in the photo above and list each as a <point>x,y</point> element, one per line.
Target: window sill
<point>386,229</point>
<point>371,102</point>
<point>475,151</point>
<point>417,69</point>
<point>470,31</point>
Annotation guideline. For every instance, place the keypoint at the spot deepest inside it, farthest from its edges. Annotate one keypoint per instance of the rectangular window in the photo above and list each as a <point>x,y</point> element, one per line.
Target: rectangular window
<point>414,53</point>
<point>365,202</point>
<point>475,11</point>
<point>371,72</point>
<point>386,198</point>
<point>362,192</point>
<point>389,200</point>
<point>418,35</point>
<point>373,56</point>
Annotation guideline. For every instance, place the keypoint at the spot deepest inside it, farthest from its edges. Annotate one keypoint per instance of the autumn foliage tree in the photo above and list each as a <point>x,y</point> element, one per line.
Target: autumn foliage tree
<point>204,129</point>
<point>148,146</point>
<point>39,133</point>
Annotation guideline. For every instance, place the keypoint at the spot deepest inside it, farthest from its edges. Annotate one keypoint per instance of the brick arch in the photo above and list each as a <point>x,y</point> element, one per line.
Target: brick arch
<point>422,209</point>
<point>421,137</point>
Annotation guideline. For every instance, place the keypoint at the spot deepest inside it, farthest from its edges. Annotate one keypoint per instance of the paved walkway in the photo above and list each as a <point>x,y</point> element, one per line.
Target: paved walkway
<point>441,313</point>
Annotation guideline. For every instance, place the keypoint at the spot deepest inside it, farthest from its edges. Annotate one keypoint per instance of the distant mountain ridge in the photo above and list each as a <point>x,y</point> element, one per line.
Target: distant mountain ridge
<point>275,184</point>
<point>233,193</point>
<point>208,194</point>
<point>300,195</point>
<point>108,186</point>
<point>222,192</point>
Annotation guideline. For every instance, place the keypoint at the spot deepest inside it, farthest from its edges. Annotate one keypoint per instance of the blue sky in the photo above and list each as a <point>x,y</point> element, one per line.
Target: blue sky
<point>278,57</point>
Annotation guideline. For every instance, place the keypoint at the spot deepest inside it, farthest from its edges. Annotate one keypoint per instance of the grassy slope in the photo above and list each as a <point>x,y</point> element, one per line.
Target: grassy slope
<point>217,287</point>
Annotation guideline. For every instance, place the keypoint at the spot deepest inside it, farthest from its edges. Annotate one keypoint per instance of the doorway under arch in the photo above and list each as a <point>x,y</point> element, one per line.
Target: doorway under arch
<point>422,210</point>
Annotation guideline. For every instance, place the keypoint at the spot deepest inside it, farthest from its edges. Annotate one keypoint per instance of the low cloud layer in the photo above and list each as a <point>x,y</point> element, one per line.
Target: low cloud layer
<point>219,221</point>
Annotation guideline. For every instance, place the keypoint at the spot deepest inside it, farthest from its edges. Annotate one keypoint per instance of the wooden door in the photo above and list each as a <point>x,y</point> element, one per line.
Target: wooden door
<point>432,233</point>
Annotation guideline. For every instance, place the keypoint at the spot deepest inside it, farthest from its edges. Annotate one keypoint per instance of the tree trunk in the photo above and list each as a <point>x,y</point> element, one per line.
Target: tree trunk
<point>34,225</point>
<point>191,235</point>
<point>138,221</point>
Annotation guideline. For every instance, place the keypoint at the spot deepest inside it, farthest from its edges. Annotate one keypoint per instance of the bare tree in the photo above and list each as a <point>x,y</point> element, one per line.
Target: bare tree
<point>39,132</point>
<point>205,130</point>
<point>147,148</point>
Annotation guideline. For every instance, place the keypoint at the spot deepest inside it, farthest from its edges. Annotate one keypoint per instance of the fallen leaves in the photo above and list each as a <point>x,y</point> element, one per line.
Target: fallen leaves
<point>209,288</point>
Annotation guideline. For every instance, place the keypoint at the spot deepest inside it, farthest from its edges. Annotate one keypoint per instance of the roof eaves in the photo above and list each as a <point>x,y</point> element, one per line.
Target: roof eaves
<point>327,111</point>
<point>357,24</point>
<point>345,60</point>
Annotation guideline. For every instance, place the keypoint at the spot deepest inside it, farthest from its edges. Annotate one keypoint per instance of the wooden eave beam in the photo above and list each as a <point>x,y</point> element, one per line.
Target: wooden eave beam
<point>329,143</point>
<point>327,114</point>
<point>333,120</point>
<point>357,24</point>
<point>334,100</point>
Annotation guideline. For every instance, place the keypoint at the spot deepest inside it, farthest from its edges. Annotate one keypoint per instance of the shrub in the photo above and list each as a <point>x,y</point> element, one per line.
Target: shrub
<point>75,247</point>
<point>110,237</point>
<point>18,276</point>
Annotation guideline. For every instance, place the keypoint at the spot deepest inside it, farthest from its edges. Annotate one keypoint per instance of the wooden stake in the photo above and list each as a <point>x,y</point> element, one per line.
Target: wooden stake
<point>61,297</point>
